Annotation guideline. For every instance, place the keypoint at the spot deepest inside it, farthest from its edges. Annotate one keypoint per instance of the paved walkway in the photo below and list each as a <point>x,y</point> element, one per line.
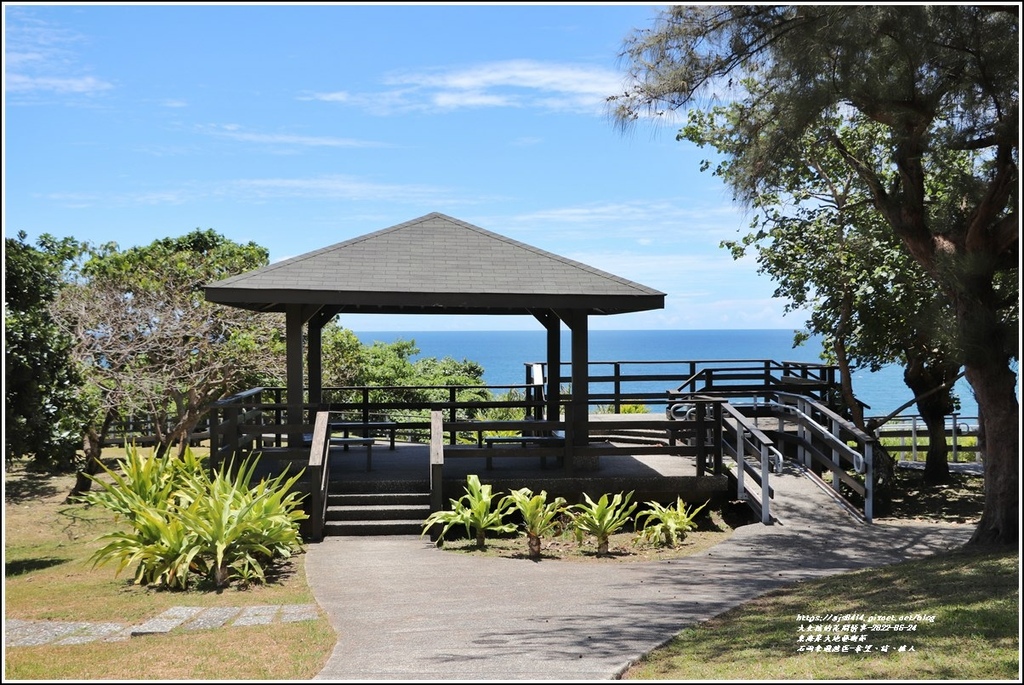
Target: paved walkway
<point>404,610</point>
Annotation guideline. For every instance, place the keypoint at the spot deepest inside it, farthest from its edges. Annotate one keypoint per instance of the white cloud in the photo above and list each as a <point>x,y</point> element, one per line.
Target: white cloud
<point>512,83</point>
<point>235,132</point>
<point>40,60</point>
<point>333,187</point>
<point>20,83</point>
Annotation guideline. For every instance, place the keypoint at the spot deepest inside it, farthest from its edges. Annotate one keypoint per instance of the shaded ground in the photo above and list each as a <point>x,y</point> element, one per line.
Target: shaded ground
<point>959,501</point>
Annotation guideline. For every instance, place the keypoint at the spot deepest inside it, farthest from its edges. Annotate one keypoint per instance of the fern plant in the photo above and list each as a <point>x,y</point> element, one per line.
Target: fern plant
<point>601,519</point>
<point>540,517</point>
<point>477,511</point>
<point>664,525</point>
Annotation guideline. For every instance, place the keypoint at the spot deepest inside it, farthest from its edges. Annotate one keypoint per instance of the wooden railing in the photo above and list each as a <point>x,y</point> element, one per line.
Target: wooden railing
<point>614,384</point>
<point>318,473</point>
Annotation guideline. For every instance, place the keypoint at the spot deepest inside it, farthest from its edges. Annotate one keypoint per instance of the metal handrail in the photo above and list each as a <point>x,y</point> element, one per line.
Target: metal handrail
<point>765,449</point>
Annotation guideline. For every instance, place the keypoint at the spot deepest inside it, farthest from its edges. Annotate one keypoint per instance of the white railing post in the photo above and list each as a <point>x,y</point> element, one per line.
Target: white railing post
<point>766,516</point>
<point>913,437</point>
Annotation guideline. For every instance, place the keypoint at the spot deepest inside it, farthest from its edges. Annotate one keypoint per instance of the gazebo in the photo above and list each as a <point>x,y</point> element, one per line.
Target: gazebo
<point>435,264</point>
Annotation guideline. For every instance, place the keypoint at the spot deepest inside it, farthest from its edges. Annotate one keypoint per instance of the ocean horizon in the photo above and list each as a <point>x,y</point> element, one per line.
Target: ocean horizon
<point>505,354</point>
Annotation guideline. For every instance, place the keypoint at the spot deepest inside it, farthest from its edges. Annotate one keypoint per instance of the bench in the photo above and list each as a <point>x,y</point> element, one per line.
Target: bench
<point>365,427</point>
<point>556,438</point>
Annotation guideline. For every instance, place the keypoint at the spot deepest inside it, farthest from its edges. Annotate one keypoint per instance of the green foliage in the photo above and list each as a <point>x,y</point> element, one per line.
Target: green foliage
<point>43,411</point>
<point>540,517</point>
<point>182,523</point>
<point>630,408</point>
<point>819,119</point>
<point>341,356</point>
<point>601,519</point>
<point>389,366</point>
<point>666,525</point>
<point>511,412</point>
<point>148,342</point>
<point>476,511</point>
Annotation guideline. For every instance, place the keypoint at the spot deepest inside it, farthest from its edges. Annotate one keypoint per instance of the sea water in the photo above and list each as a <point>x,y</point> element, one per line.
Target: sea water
<point>505,354</point>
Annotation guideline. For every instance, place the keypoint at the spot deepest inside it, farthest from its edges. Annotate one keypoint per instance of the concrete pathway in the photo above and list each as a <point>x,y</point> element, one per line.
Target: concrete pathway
<point>404,610</point>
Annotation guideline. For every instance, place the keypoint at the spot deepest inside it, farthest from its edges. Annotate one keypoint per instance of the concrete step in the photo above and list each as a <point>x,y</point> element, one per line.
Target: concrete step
<point>347,485</point>
<point>393,527</point>
<point>354,499</point>
<point>380,512</point>
<point>365,511</point>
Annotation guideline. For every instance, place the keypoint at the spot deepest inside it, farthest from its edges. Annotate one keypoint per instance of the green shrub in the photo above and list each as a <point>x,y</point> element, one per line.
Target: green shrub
<point>540,517</point>
<point>182,523</point>
<point>631,408</point>
<point>476,511</point>
<point>602,518</point>
<point>666,525</point>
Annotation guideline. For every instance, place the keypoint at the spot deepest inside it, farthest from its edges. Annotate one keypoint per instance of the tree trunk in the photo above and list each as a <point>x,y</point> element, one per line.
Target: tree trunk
<point>987,348</point>
<point>846,384</point>
<point>884,470</point>
<point>999,412</point>
<point>93,448</point>
<point>923,378</point>
<point>533,544</point>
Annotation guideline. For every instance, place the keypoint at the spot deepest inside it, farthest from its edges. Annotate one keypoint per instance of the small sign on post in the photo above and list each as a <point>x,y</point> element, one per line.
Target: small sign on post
<point>436,460</point>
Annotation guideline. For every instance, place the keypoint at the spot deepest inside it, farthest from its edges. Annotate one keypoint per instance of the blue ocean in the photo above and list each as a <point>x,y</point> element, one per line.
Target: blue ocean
<point>505,354</point>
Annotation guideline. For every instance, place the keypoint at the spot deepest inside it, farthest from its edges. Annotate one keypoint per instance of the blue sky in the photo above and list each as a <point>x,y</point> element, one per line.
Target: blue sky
<point>300,126</point>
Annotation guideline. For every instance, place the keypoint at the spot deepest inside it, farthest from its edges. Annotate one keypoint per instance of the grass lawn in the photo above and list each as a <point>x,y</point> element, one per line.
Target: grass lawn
<point>970,601</point>
<point>47,543</point>
<point>969,627</point>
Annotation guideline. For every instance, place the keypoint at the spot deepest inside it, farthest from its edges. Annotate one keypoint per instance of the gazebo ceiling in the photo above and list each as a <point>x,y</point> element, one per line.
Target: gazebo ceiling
<point>434,265</point>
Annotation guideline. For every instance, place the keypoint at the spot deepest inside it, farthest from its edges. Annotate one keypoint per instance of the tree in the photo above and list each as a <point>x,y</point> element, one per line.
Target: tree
<point>939,78</point>
<point>149,343</point>
<point>42,412</point>
<point>817,235</point>
<point>397,378</point>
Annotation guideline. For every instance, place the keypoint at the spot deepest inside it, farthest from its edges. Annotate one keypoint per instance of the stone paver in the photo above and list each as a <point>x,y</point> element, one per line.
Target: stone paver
<point>22,633</point>
<point>213,617</point>
<point>255,616</point>
<point>167,621</point>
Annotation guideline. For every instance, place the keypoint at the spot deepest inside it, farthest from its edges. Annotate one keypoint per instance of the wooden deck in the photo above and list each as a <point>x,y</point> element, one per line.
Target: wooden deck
<point>407,468</point>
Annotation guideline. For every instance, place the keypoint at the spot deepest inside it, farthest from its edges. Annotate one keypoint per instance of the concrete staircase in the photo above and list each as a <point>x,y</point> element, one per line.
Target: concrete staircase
<point>366,508</point>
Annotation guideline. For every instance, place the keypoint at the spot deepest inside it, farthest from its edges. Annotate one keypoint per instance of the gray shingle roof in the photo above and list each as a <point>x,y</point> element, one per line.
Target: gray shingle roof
<point>434,264</point>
